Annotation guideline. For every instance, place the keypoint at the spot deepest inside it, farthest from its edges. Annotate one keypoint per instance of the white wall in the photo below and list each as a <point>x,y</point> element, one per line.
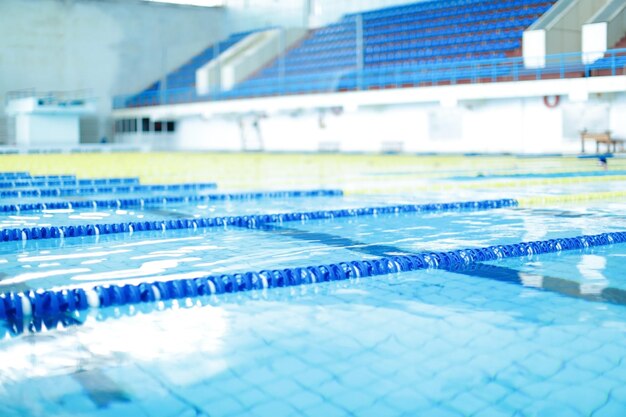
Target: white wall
<point>47,129</point>
<point>594,41</point>
<point>108,46</point>
<point>522,125</point>
<point>499,117</point>
<point>513,125</point>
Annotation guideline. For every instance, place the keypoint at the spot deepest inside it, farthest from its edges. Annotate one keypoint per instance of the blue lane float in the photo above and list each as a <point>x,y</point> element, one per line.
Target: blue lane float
<point>14,175</point>
<point>60,182</point>
<point>24,176</point>
<point>123,203</point>
<point>251,221</point>
<point>47,303</point>
<point>121,189</point>
<point>27,175</point>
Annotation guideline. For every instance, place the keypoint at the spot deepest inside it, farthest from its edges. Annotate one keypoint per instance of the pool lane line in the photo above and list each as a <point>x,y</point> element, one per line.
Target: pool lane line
<point>559,286</point>
<point>69,183</point>
<point>250,221</point>
<point>157,201</point>
<point>86,190</point>
<point>51,303</point>
<point>327,239</point>
<point>103,391</point>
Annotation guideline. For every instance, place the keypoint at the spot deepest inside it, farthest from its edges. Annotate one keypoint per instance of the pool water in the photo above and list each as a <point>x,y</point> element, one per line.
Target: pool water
<point>534,335</point>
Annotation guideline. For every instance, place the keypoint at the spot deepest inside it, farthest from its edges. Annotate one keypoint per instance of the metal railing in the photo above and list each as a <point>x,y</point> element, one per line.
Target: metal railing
<point>51,96</point>
<point>399,75</point>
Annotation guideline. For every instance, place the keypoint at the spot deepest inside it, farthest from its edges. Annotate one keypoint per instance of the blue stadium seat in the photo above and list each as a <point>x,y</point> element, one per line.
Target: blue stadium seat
<point>398,42</point>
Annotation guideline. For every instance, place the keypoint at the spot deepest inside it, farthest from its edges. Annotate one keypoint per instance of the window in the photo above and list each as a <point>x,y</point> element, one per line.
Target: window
<point>133,125</point>
<point>145,124</point>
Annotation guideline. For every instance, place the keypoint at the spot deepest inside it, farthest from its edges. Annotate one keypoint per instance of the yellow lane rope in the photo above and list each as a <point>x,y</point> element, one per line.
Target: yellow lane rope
<point>570,198</point>
<point>483,184</point>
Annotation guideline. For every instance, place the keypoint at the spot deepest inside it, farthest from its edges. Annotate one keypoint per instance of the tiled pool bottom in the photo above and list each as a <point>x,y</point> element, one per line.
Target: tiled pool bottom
<point>530,336</point>
<point>429,343</point>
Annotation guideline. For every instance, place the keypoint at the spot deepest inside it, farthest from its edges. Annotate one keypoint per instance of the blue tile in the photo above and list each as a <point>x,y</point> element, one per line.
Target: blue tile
<point>274,408</point>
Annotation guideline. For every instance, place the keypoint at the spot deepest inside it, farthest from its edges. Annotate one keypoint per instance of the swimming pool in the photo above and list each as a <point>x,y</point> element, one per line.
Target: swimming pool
<point>313,285</point>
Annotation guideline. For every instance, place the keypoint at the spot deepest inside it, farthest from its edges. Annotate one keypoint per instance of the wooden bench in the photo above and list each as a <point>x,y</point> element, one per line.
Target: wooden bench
<point>604,137</point>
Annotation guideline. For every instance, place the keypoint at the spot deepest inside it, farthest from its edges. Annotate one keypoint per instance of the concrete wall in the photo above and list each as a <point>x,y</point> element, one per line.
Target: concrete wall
<point>244,15</point>
<point>605,29</point>
<point>107,46</point>
<point>566,34</point>
<point>558,31</point>
<point>249,14</point>
<point>327,11</point>
<point>245,58</point>
<point>617,28</point>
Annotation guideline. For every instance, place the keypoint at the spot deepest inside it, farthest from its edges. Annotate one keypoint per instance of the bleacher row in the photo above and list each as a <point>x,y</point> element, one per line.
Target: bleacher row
<point>425,42</point>
<point>417,34</point>
<point>433,7</point>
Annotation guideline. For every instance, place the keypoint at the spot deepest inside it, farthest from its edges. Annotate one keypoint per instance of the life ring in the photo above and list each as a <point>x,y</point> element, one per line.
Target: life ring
<point>551,103</point>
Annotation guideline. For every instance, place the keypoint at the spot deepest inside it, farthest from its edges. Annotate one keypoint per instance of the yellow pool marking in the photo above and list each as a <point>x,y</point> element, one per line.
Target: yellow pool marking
<point>568,198</point>
<point>357,173</point>
<point>482,184</point>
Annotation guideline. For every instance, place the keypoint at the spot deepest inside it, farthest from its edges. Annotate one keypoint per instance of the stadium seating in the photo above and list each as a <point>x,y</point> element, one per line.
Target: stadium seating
<point>394,39</point>
<point>431,42</point>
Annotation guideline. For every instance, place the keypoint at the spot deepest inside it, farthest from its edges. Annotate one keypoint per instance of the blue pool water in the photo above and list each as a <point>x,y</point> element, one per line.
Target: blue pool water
<point>535,335</point>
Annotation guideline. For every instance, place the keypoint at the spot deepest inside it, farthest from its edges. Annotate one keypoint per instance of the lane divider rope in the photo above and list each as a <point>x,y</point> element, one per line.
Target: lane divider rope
<point>567,198</point>
<point>135,188</point>
<point>50,303</point>
<point>68,182</point>
<point>19,176</point>
<point>122,203</point>
<point>249,221</point>
<point>14,174</point>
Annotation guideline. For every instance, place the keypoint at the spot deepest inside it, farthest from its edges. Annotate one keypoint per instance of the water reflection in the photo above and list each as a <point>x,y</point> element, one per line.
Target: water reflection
<point>591,268</point>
